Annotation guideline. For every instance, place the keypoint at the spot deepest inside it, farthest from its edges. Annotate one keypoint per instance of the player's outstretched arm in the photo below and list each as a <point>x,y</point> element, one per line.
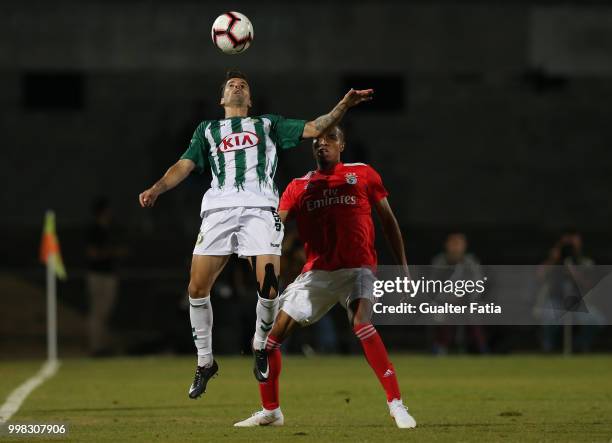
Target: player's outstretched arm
<point>392,232</point>
<point>321,124</point>
<point>175,174</point>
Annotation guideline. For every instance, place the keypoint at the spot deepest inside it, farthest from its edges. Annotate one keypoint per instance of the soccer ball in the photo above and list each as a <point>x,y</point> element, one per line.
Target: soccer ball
<point>232,32</point>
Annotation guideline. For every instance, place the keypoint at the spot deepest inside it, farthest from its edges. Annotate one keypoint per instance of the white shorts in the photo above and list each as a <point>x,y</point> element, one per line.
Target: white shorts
<point>243,231</point>
<point>315,292</point>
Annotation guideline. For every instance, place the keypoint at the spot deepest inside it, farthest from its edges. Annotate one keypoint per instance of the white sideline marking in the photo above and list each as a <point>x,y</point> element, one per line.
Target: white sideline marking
<point>14,401</point>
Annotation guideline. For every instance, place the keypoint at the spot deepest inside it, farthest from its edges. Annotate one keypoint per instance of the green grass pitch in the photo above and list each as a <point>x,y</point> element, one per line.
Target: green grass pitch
<point>514,398</point>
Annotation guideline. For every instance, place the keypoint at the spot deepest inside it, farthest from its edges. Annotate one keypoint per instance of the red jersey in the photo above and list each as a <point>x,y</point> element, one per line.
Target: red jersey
<point>333,211</point>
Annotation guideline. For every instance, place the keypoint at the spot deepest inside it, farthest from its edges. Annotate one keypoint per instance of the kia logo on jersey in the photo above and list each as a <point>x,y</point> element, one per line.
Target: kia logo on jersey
<point>238,140</point>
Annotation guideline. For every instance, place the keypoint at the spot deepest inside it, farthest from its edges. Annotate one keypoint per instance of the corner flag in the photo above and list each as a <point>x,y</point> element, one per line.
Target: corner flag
<point>49,246</point>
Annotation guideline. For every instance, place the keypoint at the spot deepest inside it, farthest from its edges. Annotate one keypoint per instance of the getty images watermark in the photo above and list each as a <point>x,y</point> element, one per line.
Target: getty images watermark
<point>492,295</point>
<point>422,286</point>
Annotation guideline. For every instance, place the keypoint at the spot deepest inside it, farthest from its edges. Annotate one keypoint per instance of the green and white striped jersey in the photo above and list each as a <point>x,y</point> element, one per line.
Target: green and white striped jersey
<point>242,155</point>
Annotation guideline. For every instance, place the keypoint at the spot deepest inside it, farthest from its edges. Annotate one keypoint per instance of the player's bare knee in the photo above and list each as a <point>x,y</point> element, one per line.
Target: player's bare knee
<point>198,290</point>
<point>360,312</point>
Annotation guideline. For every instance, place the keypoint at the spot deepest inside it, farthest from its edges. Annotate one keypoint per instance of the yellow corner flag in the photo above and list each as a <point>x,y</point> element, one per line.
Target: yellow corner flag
<point>49,246</point>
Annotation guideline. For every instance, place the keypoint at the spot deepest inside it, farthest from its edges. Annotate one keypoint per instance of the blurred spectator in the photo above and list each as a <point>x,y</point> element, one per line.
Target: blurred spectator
<point>465,266</point>
<point>563,274</point>
<point>102,281</point>
<point>568,250</point>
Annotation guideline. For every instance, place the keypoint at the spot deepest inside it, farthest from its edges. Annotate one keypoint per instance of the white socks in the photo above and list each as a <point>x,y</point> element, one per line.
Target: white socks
<point>266,312</point>
<point>201,316</point>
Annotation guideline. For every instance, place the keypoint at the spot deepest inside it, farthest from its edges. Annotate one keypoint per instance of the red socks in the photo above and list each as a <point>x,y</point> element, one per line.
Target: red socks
<point>269,389</point>
<point>376,355</point>
<point>373,348</point>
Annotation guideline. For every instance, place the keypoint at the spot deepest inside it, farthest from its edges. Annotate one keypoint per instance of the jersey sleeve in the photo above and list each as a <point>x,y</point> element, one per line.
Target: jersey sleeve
<point>287,132</point>
<point>198,148</point>
<point>376,189</point>
<point>288,199</point>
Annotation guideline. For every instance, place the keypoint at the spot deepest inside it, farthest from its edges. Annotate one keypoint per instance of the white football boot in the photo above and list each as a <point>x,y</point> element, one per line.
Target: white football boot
<point>263,418</point>
<point>400,413</point>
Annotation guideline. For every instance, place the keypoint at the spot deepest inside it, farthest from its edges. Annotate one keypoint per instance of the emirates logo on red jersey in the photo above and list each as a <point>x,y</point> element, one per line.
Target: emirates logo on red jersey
<point>330,197</point>
<point>238,140</point>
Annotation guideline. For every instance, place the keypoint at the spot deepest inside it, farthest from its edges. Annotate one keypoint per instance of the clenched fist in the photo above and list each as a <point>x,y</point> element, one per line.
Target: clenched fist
<point>147,198</point>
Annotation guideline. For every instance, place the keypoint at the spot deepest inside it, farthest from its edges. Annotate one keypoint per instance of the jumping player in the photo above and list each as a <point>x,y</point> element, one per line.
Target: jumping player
<point>239,210</point>
<point>332,207</point>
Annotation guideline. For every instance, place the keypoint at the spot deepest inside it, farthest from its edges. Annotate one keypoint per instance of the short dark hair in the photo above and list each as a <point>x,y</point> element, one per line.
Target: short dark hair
<point>230,74</point>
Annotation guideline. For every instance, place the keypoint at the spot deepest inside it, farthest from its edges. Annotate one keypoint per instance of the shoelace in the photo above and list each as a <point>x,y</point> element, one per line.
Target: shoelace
<point>401,406</point>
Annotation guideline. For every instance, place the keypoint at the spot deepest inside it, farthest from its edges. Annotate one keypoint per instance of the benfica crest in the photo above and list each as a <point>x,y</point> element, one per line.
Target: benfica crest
<point>351,178</point>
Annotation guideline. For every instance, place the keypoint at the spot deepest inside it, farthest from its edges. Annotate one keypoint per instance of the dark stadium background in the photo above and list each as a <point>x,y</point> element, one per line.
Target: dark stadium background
<point>491,118</point>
